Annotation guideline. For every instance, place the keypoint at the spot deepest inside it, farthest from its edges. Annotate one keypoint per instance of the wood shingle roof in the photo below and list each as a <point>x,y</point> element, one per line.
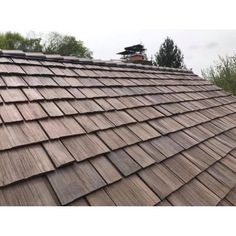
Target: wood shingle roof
<point>87,132</point>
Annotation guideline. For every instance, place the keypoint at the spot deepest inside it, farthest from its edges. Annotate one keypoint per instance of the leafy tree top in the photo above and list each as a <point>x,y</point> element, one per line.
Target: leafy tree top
<point>55,43</point>
<point>169,55</point>
<point>223,73</point>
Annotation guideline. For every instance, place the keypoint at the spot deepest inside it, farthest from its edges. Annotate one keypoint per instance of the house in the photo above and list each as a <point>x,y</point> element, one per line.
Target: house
<point>88,132</point>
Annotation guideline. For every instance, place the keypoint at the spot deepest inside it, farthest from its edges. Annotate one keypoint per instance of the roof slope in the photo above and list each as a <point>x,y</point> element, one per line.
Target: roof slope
<point>82,132</point>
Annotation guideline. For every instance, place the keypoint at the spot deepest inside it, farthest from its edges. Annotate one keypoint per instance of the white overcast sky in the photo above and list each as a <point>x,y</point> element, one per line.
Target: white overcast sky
<point>107,26</point>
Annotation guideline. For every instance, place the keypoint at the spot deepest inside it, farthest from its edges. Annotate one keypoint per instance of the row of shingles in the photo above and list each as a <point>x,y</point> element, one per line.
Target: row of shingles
<point>59,67</point>
<point>97,196</point>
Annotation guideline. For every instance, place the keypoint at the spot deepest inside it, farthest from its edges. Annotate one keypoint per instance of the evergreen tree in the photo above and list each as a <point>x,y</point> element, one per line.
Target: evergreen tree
<point>169,55</point>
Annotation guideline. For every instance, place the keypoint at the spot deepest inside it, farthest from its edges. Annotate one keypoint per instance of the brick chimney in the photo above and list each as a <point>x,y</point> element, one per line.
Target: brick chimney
<point>136,58</point>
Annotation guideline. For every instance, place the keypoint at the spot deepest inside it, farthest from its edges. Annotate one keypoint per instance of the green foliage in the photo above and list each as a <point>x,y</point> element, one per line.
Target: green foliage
<point>169,55</point>
<point>66,45</point>
<point>55,44</point>
<point>15,41</point>
<point>223,74</point>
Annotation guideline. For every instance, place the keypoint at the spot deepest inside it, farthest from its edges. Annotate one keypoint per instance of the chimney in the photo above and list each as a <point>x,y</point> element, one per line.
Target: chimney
<point>136,58</point>
<point>135,54</point>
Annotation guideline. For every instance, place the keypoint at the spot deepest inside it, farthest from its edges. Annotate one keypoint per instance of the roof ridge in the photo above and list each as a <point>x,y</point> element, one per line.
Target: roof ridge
<point>76,59</point>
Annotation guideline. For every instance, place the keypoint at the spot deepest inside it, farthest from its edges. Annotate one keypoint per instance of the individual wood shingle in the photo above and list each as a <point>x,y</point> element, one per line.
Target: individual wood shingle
<point>52,109</point>
<point>127,135</point>
<point>86,123</point>
<point>101,121</point>
<point>199,157</point>
<point>119,117</point>
<point>75,93</point>
<point>54,93</point>
<point>106,169</point>
<point>132,191</point>
<point>35,81</point>
<point>223,174</point>
<point>166,146</point>
<point>152,151</point>
<point>66,108</point>
<point>36,70</point>
<point>13,95</point>
<point>194,194</point>
<point>183,139</point>
<point>24,163</point>
<point>230,162</point>
<point>74,181</point>
<point>182,167</point>
<point>33,192</point>
<point>15,135</point>
<point>9,113</point>
<point>104,104</point>
<point>58,153</point>
<point>86,106</point>
<point>111,139</point>
<point>85,146</point>
<point>31,111</point>
<point>213,184</point>
<point>100,198</point>
<point>144,131</point>
<point>139,155</point>
<point>60,127</point>
<point>14,81</point>
<point>33,94</point>
<point>123,162</point>
<point>161,180</point>
<point>137,115</point>
<point>11,69</point>
<point>166,125</point>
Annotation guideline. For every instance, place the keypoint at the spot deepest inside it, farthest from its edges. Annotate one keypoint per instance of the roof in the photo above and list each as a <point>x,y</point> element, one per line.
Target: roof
<point>88,132</point>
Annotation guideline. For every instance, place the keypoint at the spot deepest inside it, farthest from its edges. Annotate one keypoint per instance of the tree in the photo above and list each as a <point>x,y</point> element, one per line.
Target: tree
<point>223,74</point>
<point>169,55</point>
<point>15,41</point>
<point>66,46</point>
<point>55,43</point>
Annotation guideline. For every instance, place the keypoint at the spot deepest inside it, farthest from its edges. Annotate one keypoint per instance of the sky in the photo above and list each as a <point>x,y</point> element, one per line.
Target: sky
<point>107,26</point>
